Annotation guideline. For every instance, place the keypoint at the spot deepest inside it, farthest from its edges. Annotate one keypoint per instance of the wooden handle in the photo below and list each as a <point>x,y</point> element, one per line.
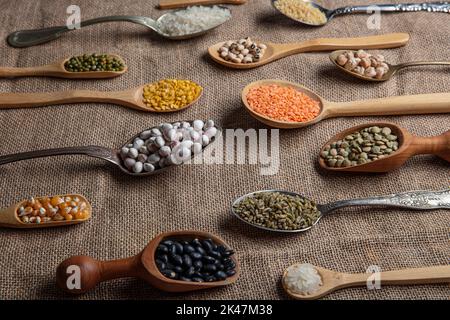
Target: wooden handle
<point>439,145</point>
<point>80,274</point>
<point>48,70</point>
<point>171,4</point>
<point>27,100</point>
<point>391,40</point>
<point>436,274</point>
<point>401,105</point>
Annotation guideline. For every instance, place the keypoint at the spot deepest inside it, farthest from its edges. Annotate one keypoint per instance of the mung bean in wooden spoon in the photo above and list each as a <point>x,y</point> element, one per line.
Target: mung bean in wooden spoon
<point>400,105</point>
<point>275,51</point>
<point>372,72</point>
<point>94,67</point>
<point>289,212</point>
<point>149,152</point>
<point>146,266</point>
<point>44,212</point>
<point>173,4</point>
<point>308,282</point>
<point>378,147</point>
<point>139,98</point>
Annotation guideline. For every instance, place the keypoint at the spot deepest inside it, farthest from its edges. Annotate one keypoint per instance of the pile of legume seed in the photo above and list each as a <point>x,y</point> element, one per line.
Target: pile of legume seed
<point>166,145</point>
<point>46,209</point>
<point>363,63</point>
<point>195,260</point>
<point>93,62</point>
<point>278,211</point>
<point>170,94</point>
<point>300,10</point>
<point>366,145</point>
<point>242,51</point>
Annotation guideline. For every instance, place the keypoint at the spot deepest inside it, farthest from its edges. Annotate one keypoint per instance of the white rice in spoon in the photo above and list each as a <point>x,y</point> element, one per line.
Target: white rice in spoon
<point>302,279</point>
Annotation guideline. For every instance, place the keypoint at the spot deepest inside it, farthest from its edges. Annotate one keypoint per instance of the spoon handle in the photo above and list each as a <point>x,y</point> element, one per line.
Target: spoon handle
<point>91,151</point>
<point>48,70</point>
<point>416,200</point>
<point>438,145</point>
<point>402,7</point>
<point>172,4</point>
<point>79,274</point>
<point>28,100</point>
<point>435,274</point>
<point>422,63</point>
<point>28,38</point>
<point>400,105</point>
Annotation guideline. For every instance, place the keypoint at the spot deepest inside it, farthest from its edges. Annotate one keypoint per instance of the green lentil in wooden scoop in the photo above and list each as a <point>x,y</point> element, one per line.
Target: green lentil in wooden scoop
<point>93,62</point>
<point>366,145</point>
<point>278,211</point>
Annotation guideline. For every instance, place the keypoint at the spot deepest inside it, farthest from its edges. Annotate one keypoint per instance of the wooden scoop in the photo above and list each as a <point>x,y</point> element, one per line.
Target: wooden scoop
<point>332,280</point>
<point>277,51</point>
<point>409,146</point>
<point>141,266</point>
<point>132,98</point>
<point>57,69</point>
<point>172,4</point>
<point>10,219</point>
<point>400,105</point>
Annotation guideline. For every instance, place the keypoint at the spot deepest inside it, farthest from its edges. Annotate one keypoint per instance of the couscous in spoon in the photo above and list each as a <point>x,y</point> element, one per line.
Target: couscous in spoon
<point>332,280</point>
<point>400,105</point>
<point>369,9</point>
<point>12,217</point>
<point>28,38</point>
<point>132,98</point>
<point>409,146</point>
<point>275,51</point>
<point>92,272</point>
<point>393,69</point>
<point>111,155</point>
<point>414,200</point>
<point>58,70</point>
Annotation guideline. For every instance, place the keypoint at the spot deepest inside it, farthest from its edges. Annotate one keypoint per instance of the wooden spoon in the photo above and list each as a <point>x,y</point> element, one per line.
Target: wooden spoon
<point>132,98</point>
<point>172,4</point>
<point>277,51</point>
<point>392,68</point>
<point>141,266</point>
<point>409,146</point>
<point>400,105</point>
<point>57,69</point>
<point>10,219</point>
<point>332,280</point>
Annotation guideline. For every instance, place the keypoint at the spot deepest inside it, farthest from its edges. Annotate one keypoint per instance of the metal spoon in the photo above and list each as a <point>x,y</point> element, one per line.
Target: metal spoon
<point>28,38</point>
<point>142,266</point>
<point>110,155</point>
<point>404,7</point>
<point>392,68</point>
<point>9,217</point>
<point>414,200</point>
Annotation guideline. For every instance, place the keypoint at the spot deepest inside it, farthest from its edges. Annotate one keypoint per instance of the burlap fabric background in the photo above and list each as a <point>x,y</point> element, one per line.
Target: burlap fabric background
<point>128,211</point>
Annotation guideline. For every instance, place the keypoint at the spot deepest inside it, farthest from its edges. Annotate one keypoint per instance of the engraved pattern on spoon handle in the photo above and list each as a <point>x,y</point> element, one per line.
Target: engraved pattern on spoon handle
<point>403,7</point>
<point>27,38</point>
<point>416,200</point>
<point>92,151</point>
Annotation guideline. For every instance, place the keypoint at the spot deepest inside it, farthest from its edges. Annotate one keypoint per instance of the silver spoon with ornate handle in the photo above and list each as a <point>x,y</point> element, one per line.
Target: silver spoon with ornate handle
<point>414,200</point>
<point>401,7</point>
<point>28,38</point>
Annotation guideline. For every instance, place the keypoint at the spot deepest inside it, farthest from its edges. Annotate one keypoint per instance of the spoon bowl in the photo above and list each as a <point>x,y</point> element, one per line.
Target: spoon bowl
<point>393,69</point>
<point>141,266</point>
<point>332,280</point>
<point>172,4</point>
<point>277,51</point>
<point>414,200</point>
<point>326,12</point>
<point>58,70</point>
<point>10,219</point>
<point>409,146</point>
<point>413,104</point>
